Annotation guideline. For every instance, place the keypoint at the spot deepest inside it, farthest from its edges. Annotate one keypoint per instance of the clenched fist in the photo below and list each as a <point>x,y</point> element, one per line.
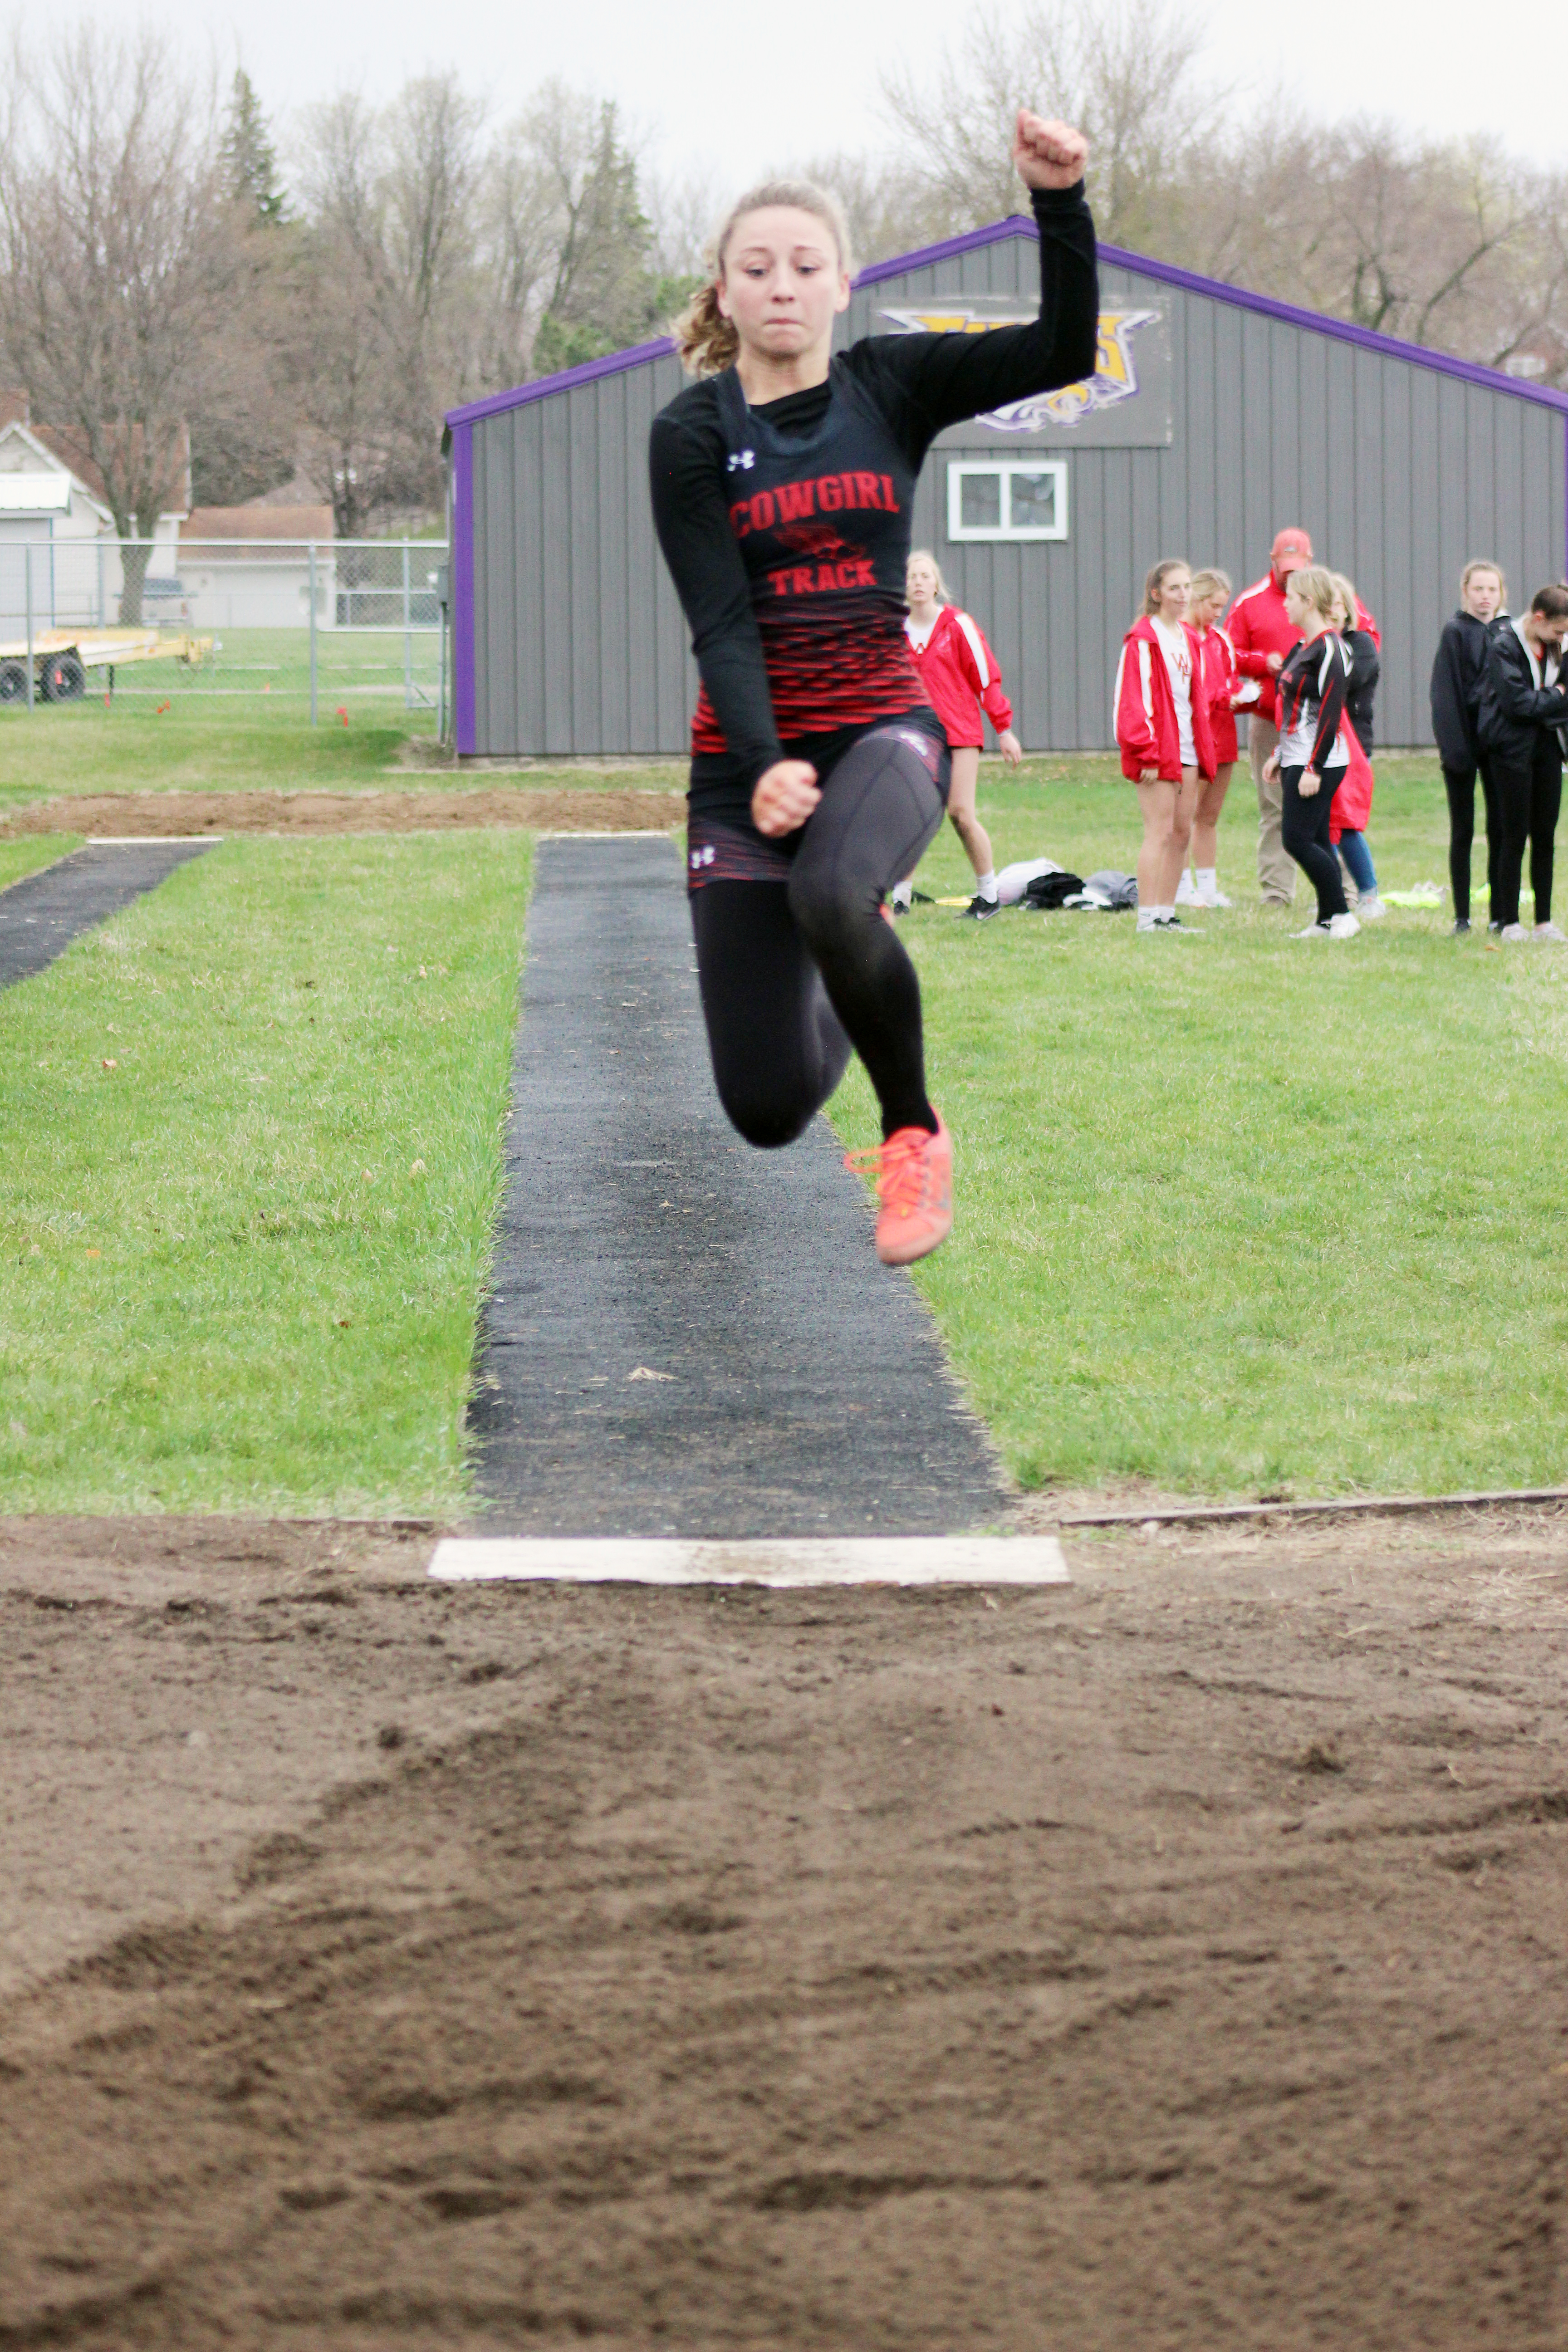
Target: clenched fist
<point>1048,154</point>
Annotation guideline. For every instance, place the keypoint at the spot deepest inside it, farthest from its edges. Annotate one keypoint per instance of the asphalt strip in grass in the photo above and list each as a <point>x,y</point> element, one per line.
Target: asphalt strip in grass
<point>686,1336</point>
<point>41,915</point>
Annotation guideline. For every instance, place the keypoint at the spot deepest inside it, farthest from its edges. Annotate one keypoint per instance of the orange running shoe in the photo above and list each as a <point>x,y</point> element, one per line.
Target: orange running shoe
<point>914,1185</point>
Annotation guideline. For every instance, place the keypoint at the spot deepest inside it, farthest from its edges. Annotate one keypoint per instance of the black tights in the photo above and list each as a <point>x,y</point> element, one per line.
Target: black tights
<point>1459,783</point>
<point>1529,797</point>
<point>795,973</point>
<point>1305,833</point>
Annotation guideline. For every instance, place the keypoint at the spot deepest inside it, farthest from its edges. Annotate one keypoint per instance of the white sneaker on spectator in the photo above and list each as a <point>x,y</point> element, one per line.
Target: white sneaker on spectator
<point>1550,933</point>
<point>1343,927</point>
<point>1371,907</point>
<point>1312,932</point>
<point>1185,894</point>
<point>1211,899</point>
<point>1511,932</point>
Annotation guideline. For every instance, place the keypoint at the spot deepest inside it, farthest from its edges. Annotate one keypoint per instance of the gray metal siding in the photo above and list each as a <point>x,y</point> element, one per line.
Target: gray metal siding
<point>1400,474</point>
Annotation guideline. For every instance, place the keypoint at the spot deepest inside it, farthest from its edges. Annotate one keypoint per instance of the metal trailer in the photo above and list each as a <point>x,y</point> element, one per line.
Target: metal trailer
<point>52,665</point>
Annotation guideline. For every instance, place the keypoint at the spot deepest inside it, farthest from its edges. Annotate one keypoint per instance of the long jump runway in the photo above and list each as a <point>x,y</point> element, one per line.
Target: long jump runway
<point>688,1338</point>
<point>41,915</point>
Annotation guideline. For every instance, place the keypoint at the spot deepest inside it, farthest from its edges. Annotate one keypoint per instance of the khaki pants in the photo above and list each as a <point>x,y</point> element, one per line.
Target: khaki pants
<point>1276,866</point>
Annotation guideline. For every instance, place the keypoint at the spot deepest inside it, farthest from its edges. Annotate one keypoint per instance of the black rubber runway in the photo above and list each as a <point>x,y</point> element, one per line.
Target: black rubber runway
<point>802,1388</point>
<point>41,915</point>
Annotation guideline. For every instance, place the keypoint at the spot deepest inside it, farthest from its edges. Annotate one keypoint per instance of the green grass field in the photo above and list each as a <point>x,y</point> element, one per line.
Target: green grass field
<point>1237,1213</point>
<point>253,1162</point>
<point>197,745</point>
<point>1241,1213</point>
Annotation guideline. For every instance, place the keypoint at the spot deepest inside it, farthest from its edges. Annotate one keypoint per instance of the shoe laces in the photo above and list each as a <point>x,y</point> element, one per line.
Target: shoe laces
<point>898,1166</point>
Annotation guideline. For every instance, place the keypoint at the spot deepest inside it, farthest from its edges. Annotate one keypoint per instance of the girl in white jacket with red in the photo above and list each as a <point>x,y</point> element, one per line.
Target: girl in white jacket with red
<point>958,671</point>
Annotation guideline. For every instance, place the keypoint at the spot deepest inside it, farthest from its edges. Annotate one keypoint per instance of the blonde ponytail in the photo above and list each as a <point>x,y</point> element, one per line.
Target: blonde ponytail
<point>708,341</point>
<point>705,339</point>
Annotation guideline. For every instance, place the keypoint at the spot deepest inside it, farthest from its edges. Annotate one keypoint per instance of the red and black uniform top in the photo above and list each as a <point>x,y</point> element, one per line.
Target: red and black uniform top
<point>786,527</point>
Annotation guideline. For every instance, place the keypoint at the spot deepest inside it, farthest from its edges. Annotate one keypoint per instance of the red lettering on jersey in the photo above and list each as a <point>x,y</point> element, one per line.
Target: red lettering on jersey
<point>827,575</point>
<point>889,501</point>
<point>741,518</point>
<point>830,493</point>
<point>798,502</point>
<point>801,580</point>
<point>857,575</point>
<point>868,492</point>
<point>762,510</point>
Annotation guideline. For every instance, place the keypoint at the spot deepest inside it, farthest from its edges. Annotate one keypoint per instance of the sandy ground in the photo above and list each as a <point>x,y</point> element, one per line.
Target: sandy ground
<point>407,809</point>
<point>1180,1958</point>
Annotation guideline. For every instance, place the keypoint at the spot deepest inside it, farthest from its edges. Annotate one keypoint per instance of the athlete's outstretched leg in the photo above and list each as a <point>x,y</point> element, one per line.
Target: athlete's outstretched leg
<point>777,1045</point>
<point>880,810</point>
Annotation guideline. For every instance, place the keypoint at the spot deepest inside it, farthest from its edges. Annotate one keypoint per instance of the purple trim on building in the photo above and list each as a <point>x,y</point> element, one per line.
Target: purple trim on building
<point>461,557</point>
<point>543,386</point>
<point>1019,224</point>
<point>1340,330</point>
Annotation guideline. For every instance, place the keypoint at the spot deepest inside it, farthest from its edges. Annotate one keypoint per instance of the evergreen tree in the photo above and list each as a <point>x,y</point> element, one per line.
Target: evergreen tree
<point>607,293</point>
<point>249,159</point>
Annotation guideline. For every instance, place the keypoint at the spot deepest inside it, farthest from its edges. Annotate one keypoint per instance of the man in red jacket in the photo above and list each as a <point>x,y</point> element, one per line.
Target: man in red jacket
<point>1264,637</point>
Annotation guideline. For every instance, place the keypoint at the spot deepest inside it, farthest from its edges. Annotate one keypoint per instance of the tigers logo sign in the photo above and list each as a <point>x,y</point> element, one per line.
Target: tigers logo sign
<point>1116,364</point>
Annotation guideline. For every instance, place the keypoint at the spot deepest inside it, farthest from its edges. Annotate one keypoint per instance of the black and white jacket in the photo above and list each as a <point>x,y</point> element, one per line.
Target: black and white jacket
<point>1310,693</point>
<point>1519,697</point>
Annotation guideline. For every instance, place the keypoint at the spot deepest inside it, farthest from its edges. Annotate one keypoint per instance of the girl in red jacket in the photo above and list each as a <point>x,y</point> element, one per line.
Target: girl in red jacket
<point>1210,595</point>
<point>1166,743</point>
<point>958,671</point>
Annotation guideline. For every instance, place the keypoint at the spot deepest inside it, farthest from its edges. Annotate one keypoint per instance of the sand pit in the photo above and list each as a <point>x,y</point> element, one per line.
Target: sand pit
<point>166,815</point>
<point>1170,1959</point>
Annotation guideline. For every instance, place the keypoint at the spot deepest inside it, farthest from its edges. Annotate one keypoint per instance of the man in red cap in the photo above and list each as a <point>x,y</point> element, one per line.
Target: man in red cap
<point>1263,637</point>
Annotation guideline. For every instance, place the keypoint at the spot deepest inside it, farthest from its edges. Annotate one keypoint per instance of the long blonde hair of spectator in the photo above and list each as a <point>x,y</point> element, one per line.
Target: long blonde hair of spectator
<point>707,341</point>
<point>1349,603</point>
<point>1210,581</point>
<point>1318,588</point>
<point>924,555</point>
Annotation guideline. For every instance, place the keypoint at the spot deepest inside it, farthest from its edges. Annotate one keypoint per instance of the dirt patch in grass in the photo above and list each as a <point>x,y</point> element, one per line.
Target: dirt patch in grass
<point>1174,1958</point>
<point>104,815</point>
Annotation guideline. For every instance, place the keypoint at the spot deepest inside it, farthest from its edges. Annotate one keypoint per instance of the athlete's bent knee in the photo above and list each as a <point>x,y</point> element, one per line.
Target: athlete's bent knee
<point>765,1116</point>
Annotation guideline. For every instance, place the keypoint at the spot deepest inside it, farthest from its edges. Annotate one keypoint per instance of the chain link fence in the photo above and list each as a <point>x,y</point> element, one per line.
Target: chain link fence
<point>318,626</point>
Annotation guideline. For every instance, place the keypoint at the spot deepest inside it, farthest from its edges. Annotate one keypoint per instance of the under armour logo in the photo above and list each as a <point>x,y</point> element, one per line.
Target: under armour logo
<point>742,458</point>
<point>701,857</point>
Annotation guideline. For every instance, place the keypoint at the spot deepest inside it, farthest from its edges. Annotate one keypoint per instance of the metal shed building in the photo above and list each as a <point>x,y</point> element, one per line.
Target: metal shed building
<point>1213,416</point>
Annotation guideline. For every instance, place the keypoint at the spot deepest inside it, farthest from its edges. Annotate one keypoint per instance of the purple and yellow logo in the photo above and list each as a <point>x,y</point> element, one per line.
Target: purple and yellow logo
<point>1115,377</point>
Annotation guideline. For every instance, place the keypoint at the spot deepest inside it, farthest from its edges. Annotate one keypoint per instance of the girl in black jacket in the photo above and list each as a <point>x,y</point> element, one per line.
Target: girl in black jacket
<point>1456,698</point>
<point>783,483</point>
<point>1522,706</point>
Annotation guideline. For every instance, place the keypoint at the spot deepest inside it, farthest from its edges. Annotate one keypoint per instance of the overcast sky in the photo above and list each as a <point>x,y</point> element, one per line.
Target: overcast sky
<point>748,86</point>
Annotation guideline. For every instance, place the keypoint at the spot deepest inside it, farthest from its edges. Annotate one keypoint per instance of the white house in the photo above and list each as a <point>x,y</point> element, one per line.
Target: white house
<point>248,568</point>
<point>58,548</point>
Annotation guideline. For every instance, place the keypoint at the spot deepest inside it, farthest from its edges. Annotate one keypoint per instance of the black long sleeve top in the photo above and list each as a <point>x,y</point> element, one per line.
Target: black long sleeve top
<point>1361,685</point>
<point>1456,671</point>
<point>1512,708</point>
<point>1311,691</point>
<point>786,527</point>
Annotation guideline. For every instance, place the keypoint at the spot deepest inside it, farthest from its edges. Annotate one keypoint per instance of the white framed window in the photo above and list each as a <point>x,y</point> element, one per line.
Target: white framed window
<point>1018,497</point>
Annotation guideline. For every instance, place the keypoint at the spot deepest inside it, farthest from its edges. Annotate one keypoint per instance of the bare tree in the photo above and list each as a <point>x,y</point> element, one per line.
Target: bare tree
<point>123,277</point>
<point>1129,72</point>
<point>383,312</point>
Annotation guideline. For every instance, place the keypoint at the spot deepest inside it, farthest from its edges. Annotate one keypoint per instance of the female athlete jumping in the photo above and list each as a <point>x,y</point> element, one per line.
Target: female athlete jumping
<point>782,487</point>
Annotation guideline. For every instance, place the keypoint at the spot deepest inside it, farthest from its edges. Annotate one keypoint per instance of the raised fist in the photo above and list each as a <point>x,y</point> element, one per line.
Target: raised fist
<point>1048,154</point>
